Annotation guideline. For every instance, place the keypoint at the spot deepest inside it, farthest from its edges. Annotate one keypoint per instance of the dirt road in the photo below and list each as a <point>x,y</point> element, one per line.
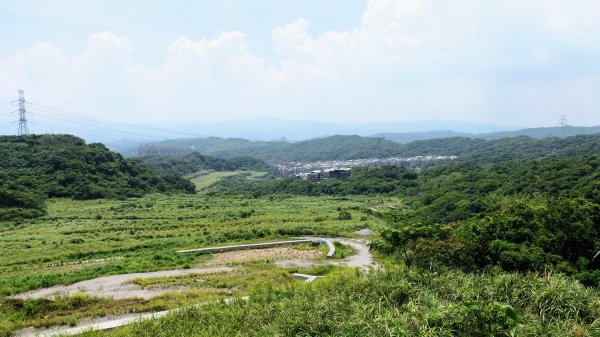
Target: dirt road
<point>117,286</point>
<point>363,258</point>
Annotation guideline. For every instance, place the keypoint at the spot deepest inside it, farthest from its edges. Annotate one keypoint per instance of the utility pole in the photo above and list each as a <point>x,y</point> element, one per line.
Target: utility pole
<point>23,130</point>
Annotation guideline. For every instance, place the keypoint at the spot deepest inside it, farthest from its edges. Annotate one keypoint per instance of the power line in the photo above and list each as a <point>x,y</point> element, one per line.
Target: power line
<point>77,114</point>
<point>95,126</point>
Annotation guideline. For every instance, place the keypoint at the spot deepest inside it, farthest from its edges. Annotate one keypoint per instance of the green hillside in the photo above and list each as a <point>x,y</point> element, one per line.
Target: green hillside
<point>538,133</point>
<point>356,147</point>
<point>520,215</point>
<point>333,148</point>
<point>329,148</point>
<point>480,151</point>
<point>195,162</point>
<point>41,166</point>
<point>546,132</point>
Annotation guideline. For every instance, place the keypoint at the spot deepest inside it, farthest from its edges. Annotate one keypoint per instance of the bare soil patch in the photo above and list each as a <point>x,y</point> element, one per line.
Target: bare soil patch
<point>263,255</point>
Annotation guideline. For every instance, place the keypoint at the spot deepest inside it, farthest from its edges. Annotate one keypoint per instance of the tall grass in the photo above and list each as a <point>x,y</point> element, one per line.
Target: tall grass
<point>396,303</point>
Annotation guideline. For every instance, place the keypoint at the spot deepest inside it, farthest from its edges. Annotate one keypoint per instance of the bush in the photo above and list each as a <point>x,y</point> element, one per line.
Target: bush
<point>344,215</point>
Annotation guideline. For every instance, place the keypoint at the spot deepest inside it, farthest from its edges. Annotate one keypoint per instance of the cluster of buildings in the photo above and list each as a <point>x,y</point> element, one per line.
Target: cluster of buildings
<point>319,175</point>
<point>340,169</point>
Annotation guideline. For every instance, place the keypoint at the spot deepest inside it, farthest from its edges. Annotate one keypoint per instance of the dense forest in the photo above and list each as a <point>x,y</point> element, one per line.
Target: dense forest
<point>479,151</point>
<point>195,162</point>
<point>40,166</point>
<point>329,148</point>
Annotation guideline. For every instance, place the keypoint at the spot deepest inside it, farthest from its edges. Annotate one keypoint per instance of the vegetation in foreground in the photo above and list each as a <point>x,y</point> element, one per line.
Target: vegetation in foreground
<point>199,288</point>
<point>399,302</point>
<point>142,234</point>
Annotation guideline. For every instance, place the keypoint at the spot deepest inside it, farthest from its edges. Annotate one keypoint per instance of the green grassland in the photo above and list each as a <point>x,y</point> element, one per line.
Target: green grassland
<point>205,179</point>
<point>143,234</point>
<point>186,291</point>
<point>396,302</point>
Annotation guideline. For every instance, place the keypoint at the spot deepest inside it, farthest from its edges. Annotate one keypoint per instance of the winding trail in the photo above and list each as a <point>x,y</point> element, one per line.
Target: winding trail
<point>363,258</point>
<point>119,286</point>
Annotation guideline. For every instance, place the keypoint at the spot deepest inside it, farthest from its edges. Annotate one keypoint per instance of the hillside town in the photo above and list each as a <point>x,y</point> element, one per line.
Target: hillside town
<point>340,168</point>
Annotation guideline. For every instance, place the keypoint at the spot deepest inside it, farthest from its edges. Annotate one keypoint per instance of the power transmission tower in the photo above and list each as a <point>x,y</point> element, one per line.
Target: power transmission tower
<point>23,130</point>
<point>562,124</point>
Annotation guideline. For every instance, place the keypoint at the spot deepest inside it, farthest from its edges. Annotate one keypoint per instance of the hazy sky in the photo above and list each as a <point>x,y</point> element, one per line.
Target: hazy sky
<point>507,62</point>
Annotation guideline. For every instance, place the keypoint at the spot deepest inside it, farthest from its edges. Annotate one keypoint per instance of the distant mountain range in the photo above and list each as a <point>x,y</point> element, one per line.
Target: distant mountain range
<point>346,147</point>
<point>538,133</point>
<point>356,147</point>
<point>267,129</point>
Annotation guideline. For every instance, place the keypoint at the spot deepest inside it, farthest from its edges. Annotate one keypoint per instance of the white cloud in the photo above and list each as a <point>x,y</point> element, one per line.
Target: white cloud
<point>406,59</point>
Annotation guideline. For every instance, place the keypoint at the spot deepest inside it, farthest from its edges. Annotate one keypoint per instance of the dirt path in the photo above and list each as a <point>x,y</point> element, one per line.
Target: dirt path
<point>117,286</point>
<point>106,323</point>
<point>363,258</point>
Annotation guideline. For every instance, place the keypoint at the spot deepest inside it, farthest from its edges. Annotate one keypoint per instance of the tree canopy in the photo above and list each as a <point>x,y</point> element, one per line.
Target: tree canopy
<point>41,166</point>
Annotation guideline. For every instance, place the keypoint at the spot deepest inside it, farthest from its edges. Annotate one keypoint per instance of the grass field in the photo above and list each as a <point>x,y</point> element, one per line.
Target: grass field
<point>396,302</point>
<point>205,179</point>
<point>80,240</point>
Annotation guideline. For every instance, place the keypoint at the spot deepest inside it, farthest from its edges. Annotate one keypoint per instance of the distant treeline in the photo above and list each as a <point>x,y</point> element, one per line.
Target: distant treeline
<point>36,167</point>
<point>478,151</point>
<point>501,164</point>
<point>575,176</point>
<point>195,162</point>
<point>543,132</point>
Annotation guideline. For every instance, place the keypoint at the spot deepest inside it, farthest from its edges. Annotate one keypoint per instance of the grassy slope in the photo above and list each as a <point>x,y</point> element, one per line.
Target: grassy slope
<point>147,231</point>
<point>396,303</point>
<point>205,179</point>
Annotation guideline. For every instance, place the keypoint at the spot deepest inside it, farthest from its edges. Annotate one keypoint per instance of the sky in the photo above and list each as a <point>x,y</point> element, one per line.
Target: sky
<point>503,62</point>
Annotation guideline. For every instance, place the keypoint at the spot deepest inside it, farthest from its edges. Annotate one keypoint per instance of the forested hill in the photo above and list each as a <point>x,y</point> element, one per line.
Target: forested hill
<point>333,148</point>
<point>539,214</point>
<point>354,147</point>
<point>538,133</point>
<point>40,166</point>
<point>480,151</point>
<point>194,162</point>
<point>329,148</point>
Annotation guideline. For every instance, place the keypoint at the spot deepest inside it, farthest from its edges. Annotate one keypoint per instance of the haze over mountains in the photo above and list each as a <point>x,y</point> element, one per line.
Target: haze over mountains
<point>264,129</point>
<point>355,146</point>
